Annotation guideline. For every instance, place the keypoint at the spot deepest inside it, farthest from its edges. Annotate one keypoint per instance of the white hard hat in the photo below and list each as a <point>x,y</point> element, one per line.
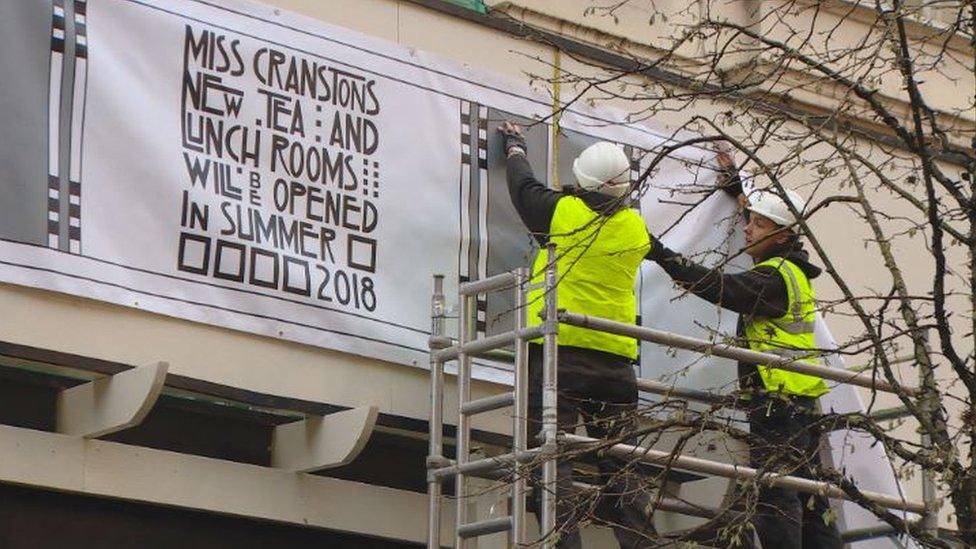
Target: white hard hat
<point>769,204</point>
<point>603,167</point>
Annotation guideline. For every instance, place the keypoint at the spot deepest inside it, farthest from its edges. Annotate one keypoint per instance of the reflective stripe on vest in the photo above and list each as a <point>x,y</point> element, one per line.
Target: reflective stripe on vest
<point>789,336</point>
<point>796,325</point>
<point>597,258</point>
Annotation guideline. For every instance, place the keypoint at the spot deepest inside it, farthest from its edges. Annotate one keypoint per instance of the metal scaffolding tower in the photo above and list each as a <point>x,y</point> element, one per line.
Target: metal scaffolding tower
<point>517,462</point>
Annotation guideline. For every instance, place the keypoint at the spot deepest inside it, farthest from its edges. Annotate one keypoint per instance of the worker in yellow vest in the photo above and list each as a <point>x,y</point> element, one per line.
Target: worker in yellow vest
<point>600,241</point>
<point>775,302</point>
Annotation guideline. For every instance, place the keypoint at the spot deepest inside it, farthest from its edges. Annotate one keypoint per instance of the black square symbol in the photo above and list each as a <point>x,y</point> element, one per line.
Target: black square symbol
<point>229,261</point>
<point>297,270</point>
<point>361,252</point>
<point>194,254</point>
<point>260,260</point>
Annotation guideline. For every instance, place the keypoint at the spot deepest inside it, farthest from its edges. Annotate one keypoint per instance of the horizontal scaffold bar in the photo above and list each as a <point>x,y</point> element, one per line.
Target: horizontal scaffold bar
<point>485,527</point>
<point>498,355</point>
<point>738,472</point>
<point>672,505</point>
<point>496,282</point>
<point>731,351</point>
<point>647,385</point>
<point>871,532</point>
<point>487,343</point>
<point>665,389</point>
<point>889,414</point>
<point>503,355</point>
<point>483,465</point>
<point>488,404</point>
<point>683,508</point>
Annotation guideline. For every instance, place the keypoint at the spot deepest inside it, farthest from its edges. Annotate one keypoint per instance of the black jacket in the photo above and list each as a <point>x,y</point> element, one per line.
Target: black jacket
<point>760,291</point>
<point>757,292</point>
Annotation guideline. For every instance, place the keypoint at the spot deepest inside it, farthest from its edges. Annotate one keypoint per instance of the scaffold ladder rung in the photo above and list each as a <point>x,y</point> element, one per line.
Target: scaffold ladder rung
<point>488,404</point>
<point>485,527</point>
<point>463,349</point>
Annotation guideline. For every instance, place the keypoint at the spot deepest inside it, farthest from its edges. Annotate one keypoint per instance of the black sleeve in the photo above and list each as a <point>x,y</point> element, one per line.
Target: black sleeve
<point>758,292</point>
<point>534,202</point>
<point>732,184</point>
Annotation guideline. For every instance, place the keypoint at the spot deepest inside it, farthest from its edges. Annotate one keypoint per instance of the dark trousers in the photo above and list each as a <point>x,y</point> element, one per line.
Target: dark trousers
<point>788,442</point>
<point>601,388</point>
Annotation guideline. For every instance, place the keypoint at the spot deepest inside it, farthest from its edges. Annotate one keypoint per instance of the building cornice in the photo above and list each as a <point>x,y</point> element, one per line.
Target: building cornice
<point>631,57</point>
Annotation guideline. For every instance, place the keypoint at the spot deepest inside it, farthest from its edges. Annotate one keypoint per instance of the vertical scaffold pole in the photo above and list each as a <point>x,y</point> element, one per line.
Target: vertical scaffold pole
<point>436,451</point>
<point>465,332</point>
<point>520,414</point>
<point>549,394</point>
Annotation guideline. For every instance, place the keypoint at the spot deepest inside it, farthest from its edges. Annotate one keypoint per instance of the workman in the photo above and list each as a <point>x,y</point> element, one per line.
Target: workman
<point>776,305</point>
<point>600,241</point>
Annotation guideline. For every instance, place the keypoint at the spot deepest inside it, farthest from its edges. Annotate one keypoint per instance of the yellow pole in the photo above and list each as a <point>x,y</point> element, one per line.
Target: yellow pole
<point>554,127</point>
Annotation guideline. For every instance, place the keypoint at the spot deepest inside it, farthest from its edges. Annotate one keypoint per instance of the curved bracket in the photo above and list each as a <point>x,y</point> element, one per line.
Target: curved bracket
<point>322,442</point>
<point>111,403</point>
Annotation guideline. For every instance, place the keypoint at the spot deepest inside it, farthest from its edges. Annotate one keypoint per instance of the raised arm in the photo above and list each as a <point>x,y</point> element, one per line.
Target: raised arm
<point>534,202</point>
<point>758,292</point>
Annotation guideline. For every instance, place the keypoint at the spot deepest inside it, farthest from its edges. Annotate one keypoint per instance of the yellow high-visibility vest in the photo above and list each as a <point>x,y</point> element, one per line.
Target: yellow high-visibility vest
<point>791,335</point>
<point>597,258</point>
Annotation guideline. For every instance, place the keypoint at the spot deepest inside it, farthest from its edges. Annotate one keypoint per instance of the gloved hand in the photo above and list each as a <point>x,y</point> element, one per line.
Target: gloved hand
<point>728,179</point>
<point>514,141</point>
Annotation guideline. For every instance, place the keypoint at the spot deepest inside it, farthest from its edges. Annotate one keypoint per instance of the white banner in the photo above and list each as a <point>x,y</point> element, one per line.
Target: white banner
<point>264,172</point>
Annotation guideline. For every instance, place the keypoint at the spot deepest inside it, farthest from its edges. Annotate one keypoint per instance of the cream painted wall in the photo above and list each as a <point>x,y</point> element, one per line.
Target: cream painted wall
<point>631,24</point>
<point>128,335</point>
